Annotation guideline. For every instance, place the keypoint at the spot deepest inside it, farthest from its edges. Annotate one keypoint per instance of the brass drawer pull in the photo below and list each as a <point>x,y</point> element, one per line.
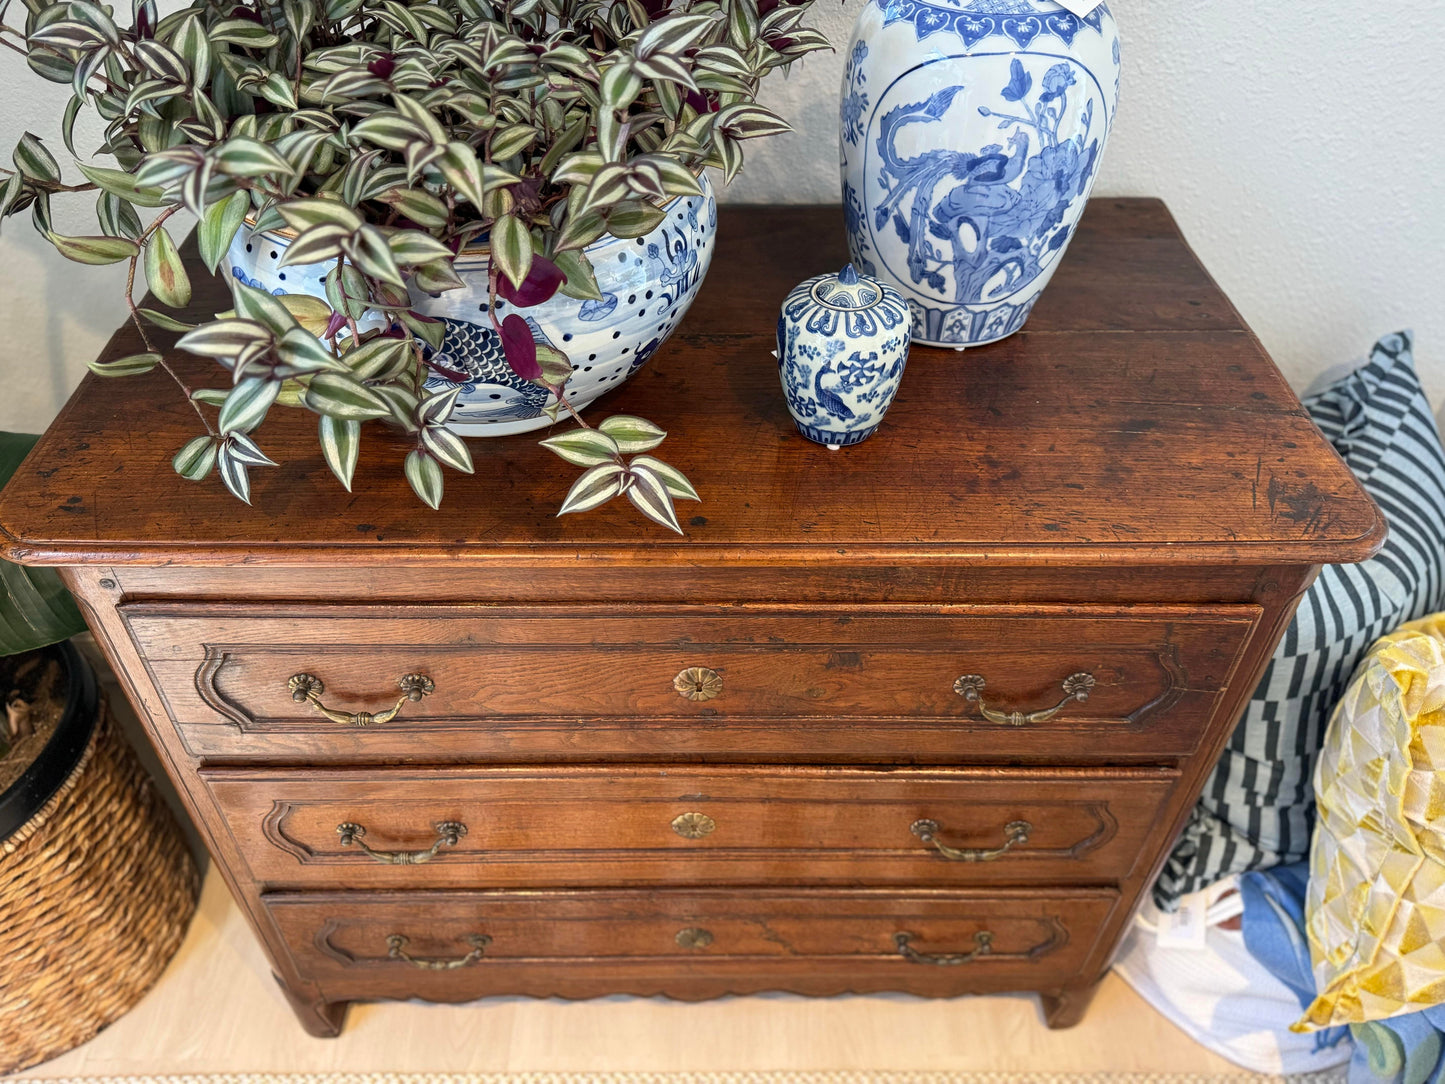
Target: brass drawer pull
<point>693,825</point>
<point>1076,687</point>
<point>449,833</point>
<point>983,946</point>
<point>1016,834</point>
<point>698,683</point>
<point>396,950</point>
<point>309,687</point>
<point>693,937</point>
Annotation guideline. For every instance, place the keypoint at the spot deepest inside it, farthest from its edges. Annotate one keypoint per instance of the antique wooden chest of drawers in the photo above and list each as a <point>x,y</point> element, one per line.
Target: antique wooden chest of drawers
<point>922,715</point>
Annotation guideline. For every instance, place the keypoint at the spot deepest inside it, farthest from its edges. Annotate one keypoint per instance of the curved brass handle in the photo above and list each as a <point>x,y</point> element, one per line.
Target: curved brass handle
<point>449,833</point>
<point>983,946</point>
<point>396,950</point>
<point>1076,687</point>
<point>1016,834</point>
<point>309,687</point>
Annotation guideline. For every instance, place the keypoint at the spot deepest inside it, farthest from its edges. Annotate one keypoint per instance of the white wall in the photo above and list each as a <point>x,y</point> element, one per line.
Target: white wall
<point>1299,145</point>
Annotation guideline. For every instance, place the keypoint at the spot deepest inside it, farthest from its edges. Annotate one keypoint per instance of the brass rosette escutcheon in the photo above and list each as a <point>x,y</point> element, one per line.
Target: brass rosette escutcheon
<point>698,683</point>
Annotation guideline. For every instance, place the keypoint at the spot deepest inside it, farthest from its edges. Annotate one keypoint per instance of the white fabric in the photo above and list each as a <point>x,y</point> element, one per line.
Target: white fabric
<point>1220,995</point>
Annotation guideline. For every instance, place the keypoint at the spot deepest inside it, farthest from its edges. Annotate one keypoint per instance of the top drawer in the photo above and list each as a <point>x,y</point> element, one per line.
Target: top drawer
<point>934,684</point>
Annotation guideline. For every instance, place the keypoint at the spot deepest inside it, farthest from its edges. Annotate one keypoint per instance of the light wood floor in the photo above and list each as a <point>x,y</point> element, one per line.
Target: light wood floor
<point>217,1010</point>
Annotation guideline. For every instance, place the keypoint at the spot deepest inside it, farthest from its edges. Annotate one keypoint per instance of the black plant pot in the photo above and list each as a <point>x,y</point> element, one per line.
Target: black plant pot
<point>27,795</point>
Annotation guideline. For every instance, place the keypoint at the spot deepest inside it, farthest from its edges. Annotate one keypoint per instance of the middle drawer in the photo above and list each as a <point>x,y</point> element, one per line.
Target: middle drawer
<point>540,827</point>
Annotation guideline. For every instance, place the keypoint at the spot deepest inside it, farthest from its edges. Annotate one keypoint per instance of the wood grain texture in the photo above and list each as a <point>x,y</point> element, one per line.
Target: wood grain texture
<point>614,825</point>
<point>503,674</point>
<point>581,944</point>
<point>1087,437</point>
<point>1128,488</point>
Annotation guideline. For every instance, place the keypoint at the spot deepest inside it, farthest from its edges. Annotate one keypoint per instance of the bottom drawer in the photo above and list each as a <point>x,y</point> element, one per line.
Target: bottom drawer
<point>455,946</point>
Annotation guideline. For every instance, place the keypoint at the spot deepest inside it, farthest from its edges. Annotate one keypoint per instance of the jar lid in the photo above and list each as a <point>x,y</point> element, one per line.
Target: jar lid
<point>847,290</point>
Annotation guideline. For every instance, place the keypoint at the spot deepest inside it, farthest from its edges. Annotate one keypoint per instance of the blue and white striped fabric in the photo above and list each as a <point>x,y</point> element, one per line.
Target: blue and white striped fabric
<point>1257,809</point>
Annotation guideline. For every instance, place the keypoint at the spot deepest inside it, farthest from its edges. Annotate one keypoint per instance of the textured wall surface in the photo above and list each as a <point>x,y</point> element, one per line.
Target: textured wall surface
<point>1299,145</point>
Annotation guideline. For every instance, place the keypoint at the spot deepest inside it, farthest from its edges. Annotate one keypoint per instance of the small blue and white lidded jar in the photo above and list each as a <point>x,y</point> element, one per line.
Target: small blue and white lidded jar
<point>842,344</point>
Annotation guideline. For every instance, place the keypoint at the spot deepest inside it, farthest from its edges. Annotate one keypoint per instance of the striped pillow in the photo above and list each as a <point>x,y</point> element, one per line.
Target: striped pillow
<point>1258,807</point>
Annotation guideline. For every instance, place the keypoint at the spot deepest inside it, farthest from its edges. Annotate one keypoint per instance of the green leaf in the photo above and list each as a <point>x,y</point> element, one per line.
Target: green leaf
<point>316,244</point>
<point>162,320</point>
<point>512,140</point>
<point>379,359</point>
<point>649,493</point>
<point>217,228</point>
<point>632,434</point>
<point>748,121</point>
<point>390,130</point>
<point>676,482</point>
<point>243,32</point>
<point>596,487</point>
<point>34,161</point>
<point>258,305</point>
<point>195,459</point>
<point>421,207</point>
<point>122,184</point>
<point>165,272</point>
<point>447,447</point>
<point>511,244</point>
<point>411,248</point>
<point>246,406</point>
<point>94,250</point>
<point>225,338</point>
<point>35,608</point>
<point>342,397</point>
<point>302,214</point>
<point>368,250</point>
<point>117,217</point>
<point>557,368</point>
<point>302,352</point>
<point>242,157</point>
<point>191,43</point>
<point>130,365</point>
<point>634,219</point>
<point>581,282</point>
<point>583,447</point>
<point>340,446</point>
<point>10,193</point>
<point>425,475</point>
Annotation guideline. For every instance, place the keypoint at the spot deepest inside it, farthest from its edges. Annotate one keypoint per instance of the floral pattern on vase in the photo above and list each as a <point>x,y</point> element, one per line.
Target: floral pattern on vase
<point>842,347</point>
<point>978,153</point>
<point>647,285</point>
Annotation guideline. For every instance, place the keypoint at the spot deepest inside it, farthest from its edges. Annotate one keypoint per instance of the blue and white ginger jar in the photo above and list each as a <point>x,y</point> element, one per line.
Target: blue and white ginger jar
<point>647,284</point>
<point>842,346</point>
<point>971,133</point>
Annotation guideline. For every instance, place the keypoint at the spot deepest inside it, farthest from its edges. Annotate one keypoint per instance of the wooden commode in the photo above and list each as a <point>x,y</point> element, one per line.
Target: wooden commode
<point>924,714</point>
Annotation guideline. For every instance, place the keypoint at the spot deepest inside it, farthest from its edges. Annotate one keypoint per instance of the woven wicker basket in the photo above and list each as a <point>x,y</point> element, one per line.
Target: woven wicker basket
<point>96,890</point>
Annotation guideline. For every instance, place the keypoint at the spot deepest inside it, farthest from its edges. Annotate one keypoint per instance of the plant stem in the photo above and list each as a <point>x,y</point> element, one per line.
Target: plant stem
<point>139,322</point>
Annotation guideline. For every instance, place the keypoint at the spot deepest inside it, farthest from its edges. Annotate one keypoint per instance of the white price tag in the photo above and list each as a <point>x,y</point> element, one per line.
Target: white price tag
<point>1080,7</point>
<point>1185,927</point>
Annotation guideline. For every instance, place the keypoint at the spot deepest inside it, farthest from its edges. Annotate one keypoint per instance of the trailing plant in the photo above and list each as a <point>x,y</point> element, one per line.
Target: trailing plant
<point>387,136</point>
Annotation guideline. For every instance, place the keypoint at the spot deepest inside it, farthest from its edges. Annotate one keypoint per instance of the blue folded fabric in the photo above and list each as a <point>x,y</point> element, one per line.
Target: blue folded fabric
<point>1273,925</point>
<point>1401,1050</point>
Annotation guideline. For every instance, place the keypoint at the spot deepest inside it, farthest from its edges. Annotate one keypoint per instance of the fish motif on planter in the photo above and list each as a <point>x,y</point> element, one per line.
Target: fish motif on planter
<point>490,389</point>
<point>971,232</point>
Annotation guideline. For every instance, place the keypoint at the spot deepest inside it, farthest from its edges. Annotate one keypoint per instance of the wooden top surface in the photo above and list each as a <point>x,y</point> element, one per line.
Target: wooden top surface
<point>1135,419</point>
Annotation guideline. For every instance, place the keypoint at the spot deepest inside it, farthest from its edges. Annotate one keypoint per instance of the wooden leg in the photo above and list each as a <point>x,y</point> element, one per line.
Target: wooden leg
<point>1067,1007</point>
<point>322,1019</point>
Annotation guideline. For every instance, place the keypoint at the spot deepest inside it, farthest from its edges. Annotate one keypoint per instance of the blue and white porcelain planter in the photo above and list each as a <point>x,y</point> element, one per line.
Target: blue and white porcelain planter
<point>842,347</point>
<point>971,133</point>
<point>647,284</point>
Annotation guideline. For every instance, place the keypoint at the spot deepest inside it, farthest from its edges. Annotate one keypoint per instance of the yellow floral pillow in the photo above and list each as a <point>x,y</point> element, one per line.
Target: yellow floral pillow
<point>1376,906</point>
